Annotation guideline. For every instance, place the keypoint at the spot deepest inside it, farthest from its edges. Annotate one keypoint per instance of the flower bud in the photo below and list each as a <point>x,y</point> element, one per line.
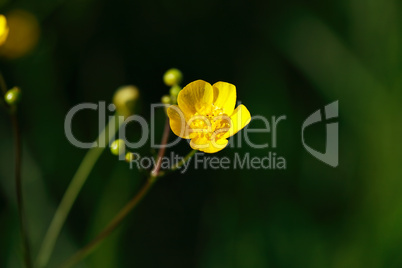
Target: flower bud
<point>174,92</point>
<point>13,96</point>
<point>166,99</point>
<point>129,157</point>
<point>125,99</point>
<point>118,147</point>
<point>172,77</point>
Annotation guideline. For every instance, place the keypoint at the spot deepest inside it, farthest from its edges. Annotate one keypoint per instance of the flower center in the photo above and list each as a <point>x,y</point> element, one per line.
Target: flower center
<point>210,123</point>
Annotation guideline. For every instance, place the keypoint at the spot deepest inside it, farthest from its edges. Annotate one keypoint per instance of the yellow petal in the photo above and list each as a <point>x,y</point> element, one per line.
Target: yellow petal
<point>207,146</point>
<point>177,122</point>
<point>225,96</point>
<point>198,143</point>
<point>195,97</point>
<point>240,118</point>
<point>216,146</point>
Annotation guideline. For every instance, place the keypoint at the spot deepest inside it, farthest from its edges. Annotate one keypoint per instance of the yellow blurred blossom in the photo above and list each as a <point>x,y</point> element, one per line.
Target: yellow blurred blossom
<point>206,114</point>
<point>23,36</point>
<point>3,29</point>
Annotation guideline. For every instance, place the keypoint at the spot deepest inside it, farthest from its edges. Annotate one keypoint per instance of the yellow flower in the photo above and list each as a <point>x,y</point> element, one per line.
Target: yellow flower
<point>3,29</point>
<point>206,115</point>
<point>23,36</point>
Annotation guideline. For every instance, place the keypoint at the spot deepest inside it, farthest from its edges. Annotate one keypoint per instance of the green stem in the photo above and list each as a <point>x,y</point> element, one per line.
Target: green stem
<point>18,179</point>
<point>91,246</point>
<point>4,89</point>
<point>72,192</point>
<point>118,219</point>
<point>178,164</point>
<point>18,186</point>
<point>185,159</point>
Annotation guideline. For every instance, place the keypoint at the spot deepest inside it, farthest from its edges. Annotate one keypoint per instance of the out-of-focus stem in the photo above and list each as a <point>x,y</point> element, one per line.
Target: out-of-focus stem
<point>18,187</point>
<point>72,192</point>
<point>18,179</point>
<point>118,219</point>
<point>91,246</point>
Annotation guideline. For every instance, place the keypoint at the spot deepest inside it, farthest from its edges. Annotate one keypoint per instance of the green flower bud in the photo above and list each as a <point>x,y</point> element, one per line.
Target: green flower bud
<point>172,77</point>
<point>118,147</point>
<point>125,99</point>
<point>13,96</point>
<point>166,99</point>
<point>174,90</point>
<point>129,157</point>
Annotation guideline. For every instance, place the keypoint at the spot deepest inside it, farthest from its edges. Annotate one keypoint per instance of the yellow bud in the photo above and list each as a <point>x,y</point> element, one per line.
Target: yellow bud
<point>117,147</point>
<point>165,99</point>
<point>172,77</point>
<point>129,157</point>
<point>125,99</point>
<point>13,96</point>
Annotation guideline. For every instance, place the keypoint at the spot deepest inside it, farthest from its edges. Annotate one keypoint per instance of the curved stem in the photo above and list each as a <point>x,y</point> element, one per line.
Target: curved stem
<point>118,219</point>
<point>161,153</point>
<point>18,187</point>
<point>185,159</point>
<point>72,192</point>
<point>91,246</point>
<point>178,164</point>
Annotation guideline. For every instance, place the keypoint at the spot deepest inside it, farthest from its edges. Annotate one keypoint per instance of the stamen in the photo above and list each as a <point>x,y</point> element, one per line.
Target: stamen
<point>211,123</point>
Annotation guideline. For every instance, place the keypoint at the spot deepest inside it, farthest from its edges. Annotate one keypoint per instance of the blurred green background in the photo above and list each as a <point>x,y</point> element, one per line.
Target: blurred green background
<point>285,58</point>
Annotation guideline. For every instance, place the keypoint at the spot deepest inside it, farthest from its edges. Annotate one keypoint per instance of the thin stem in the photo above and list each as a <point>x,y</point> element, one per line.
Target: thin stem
<point>178,164</point>
<point>18,179</point>
<point>91,246</point>
<point>18,187</point>
<point>118,219</point>
<point>161,153</point>
<point>185,159</point>
<point>4,89</point>
<point>72,192</point>
<point>3,85</point>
